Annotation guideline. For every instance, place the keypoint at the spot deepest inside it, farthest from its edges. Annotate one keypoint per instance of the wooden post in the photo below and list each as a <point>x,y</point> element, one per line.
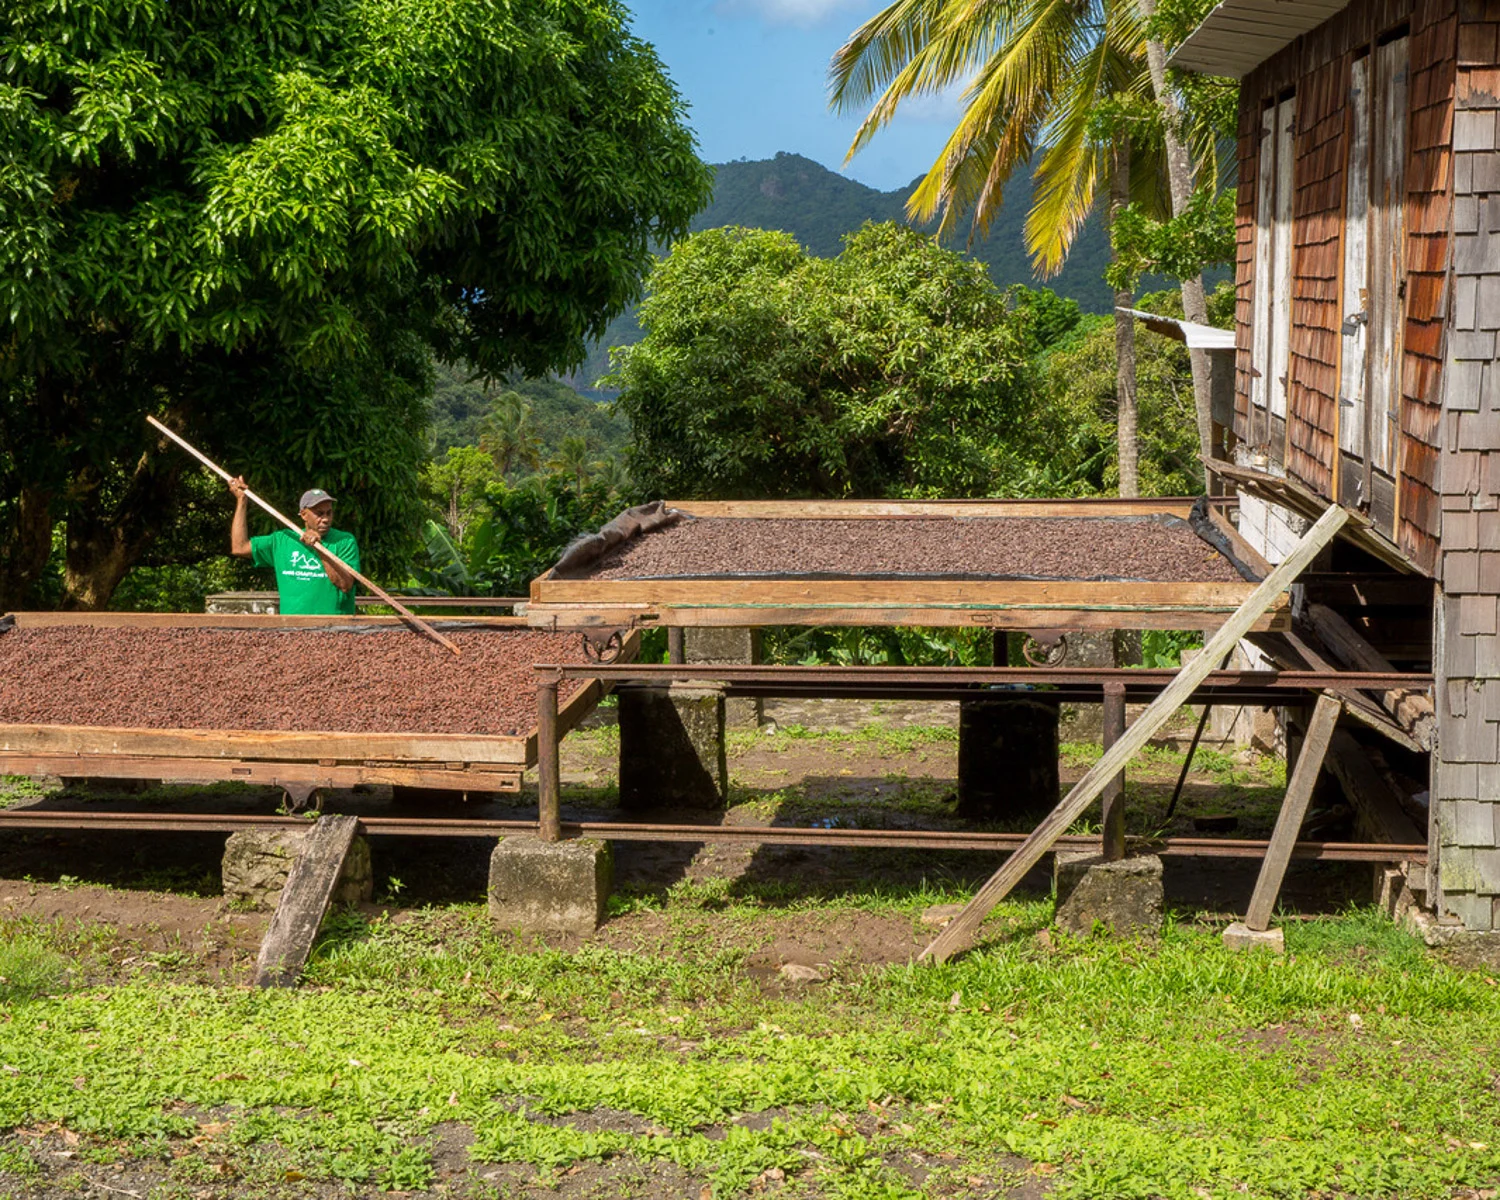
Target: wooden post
<point>960,931</point>
<point>676,645</point>
<point>549,819</point>
<point>304,900</point>
<point>1112,828</point>
<point>1299,790</point>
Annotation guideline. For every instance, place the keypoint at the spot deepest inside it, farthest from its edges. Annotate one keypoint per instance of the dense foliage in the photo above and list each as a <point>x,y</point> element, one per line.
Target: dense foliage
<point>895,368</point>
<point>262,221</point>
<point>820,208</point>
<point>461,405</point>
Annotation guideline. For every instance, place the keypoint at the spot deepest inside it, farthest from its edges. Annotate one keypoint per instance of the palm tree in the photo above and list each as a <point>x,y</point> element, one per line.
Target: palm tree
<point>1037,78</point>
<point>507,436</point>
<point>611,473</point>
<point>572,458</point>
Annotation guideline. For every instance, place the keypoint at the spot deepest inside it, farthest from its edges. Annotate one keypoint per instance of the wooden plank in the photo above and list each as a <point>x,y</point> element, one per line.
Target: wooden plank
<point>1355,290</point>
<point>1098,507</point>
<point>304,901</point>
<point>1278,364</point>
<point>585,616</point>
<point>1299,790</point>
<point>960,931</point>
<point>1413,711</point>
<point>1370,794</point>
<point>498,777</point>
<point>1260,318</point>
<point>414,748</point>
<point>1247,553</point>
<point>1288,493</point>
<point>1387,248</point>
<point>724,591</point>
<point>267,621</point>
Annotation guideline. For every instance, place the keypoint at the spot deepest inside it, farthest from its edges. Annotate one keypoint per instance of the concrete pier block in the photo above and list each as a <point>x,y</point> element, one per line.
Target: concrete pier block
<point>550,887</point>
<point>1240,936</point>
<point>672,751</point>
<point>257,862</point>
<point>728,647</point>
<point>1124,897</point>
<point>1007,758</point>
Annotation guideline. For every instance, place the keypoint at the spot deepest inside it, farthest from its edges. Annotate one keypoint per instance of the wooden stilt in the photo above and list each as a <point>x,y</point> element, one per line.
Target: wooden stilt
<point>960,931</point>
<point>1299,790</point>
<point>549,817</point>
<point>304,901</point>
<point>1112,827</point>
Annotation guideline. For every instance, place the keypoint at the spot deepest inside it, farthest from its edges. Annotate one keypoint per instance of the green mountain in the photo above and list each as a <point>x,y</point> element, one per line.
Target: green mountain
<point>818,206</point>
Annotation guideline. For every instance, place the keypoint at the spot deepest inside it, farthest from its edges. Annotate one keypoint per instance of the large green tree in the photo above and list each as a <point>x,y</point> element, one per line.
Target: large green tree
<point>1054,85</point>
<point>896,368</point>
<point>261,221</point>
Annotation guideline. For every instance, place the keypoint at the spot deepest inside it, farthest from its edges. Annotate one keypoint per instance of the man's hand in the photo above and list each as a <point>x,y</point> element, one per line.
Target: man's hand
<point>239,525</point>
<point>311,537</point>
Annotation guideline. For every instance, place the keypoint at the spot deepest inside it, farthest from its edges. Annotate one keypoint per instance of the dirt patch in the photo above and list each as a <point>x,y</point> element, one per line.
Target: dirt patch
<point>1141,548</point>
<point>306,679</point>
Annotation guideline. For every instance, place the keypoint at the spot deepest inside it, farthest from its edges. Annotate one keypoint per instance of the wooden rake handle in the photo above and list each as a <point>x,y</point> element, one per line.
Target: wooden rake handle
<point>384,596</point>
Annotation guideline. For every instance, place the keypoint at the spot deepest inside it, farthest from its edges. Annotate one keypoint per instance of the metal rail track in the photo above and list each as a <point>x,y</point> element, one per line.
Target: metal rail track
<point>774,835</point>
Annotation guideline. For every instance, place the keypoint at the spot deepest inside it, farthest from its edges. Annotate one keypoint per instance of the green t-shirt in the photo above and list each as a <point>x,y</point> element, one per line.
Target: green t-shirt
<point>301,581</point>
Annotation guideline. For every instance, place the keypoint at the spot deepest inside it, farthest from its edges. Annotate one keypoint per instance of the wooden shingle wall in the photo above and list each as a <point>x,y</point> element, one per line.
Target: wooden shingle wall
<point>1429,228</point>
<point>1466,783</point>
<point>1317,69</point>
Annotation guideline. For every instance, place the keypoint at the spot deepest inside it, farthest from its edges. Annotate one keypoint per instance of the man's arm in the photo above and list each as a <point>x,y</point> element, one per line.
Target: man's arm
<point>239,526</point>
<point>338,574</point>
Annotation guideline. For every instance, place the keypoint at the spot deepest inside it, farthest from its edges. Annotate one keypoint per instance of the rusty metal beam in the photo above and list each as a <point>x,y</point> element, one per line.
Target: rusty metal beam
<point>773,835</point>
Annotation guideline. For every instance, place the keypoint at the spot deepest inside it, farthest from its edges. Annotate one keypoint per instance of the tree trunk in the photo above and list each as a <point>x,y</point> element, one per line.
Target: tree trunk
<point>25,546</point>
<point>1180,173</point>
<point>104,541</point>
<point>1125,396</point>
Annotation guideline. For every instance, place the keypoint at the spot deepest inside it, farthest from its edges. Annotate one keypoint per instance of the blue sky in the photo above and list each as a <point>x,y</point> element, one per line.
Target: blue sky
<point>754,73</point>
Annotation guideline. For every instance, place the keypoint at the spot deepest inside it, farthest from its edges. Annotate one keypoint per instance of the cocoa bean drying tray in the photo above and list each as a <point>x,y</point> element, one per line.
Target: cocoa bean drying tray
<point>1005,564</point>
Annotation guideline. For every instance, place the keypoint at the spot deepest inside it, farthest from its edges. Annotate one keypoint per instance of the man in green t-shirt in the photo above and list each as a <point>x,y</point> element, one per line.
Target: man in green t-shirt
<point>305,581</point>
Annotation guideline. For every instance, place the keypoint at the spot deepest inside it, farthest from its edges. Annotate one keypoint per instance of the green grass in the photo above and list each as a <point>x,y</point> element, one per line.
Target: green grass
<point>1359,1064</point>
<point>29,967</point>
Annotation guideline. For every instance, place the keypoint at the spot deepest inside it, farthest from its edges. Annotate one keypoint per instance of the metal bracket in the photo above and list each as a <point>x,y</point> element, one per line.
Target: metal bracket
<point>603,645</point>
<point>1045,648</point>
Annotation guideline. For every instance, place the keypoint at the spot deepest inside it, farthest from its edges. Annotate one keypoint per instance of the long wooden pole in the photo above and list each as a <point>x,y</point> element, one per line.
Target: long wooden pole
<point>384,596</point>
<point>960,931</point>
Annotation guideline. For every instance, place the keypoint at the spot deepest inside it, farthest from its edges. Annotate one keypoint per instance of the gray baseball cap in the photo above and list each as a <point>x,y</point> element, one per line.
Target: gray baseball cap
<point>312,497</point>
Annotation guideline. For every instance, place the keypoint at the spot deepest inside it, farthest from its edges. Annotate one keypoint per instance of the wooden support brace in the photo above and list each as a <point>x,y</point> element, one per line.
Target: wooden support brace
<point>299,914</point>
<point>1413,711</point>
<point>1299,790</point>
<point>1370,794</point>
<point>959,933</point>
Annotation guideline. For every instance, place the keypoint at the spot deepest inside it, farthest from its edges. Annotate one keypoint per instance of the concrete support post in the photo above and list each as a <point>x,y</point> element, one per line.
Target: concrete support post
<point>1007,757</point>
<point>672,752</point>
<point>728,647</point>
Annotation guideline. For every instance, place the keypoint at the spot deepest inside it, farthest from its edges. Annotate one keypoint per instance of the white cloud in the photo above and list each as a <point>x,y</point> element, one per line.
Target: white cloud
<point>802,13</point>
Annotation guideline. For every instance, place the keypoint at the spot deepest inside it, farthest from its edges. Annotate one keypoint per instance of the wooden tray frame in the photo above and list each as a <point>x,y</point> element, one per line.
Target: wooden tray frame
<point>300,759</point>
<point>997,604</point>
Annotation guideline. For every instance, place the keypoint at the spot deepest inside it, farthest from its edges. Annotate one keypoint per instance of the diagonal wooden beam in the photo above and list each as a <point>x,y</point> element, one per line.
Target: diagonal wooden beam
<point>1299,790</point>
<point>959,933</point>
<point>304,900</point>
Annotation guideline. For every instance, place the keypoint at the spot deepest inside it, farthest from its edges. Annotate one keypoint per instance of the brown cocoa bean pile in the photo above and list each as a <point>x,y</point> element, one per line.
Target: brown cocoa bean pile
<point>391,681</point>
<point>1077,548</point>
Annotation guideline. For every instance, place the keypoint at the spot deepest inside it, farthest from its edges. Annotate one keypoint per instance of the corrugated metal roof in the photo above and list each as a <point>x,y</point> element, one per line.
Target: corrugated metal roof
<point>1197,337</point>
<point>1239,35</point>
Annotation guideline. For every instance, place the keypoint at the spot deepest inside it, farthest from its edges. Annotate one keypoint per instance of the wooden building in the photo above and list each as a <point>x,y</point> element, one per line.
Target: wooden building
<point>1368,303</point>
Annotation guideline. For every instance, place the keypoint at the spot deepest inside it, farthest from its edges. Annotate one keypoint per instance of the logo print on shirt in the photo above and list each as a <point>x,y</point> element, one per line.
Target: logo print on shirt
<point>304,562</point>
